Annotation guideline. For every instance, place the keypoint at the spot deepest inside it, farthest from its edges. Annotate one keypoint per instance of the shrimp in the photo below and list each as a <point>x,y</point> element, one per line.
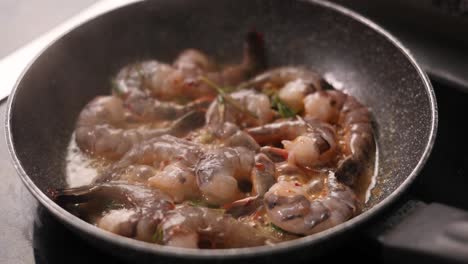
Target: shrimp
<point>147,109</point>
<point>253,102</point>
<point>224,135</point>
<point>186,168</point>
<point>253,61</point>
<point>354,126</point>
<point>308,142</point>
<point>175,179</point>
<point>138,174</point>
<point>308,209</point>
<point>291,83</point>
<point>263,174</point>
<point>220,171</point>
<point>160,151</point>
<point>182,79</point>
<point>103,128</point>
<point>262,177</point>
<point>178,180</point>
<point>198,227</point>
<point>125,209</point>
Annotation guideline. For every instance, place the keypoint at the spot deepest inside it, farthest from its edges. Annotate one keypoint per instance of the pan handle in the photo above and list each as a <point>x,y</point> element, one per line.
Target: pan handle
<point>423,233</point>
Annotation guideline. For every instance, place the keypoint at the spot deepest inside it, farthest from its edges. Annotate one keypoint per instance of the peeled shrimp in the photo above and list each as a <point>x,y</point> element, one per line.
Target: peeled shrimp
<point>106,128</point>
<point>354,126</point>
<point>135,210</point>
<point>198,227</point>
<point>308,209</point>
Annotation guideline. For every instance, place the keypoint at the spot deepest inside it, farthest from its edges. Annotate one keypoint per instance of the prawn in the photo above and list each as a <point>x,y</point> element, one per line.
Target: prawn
<point>198,227</point>
<point>219,171</point>
<point>256,106</point>
<point>354,127</point>
<point>311,208</point>
<point>291,84</point>
<point>308,142</point>
<point>125,209</point>
<point>103,128</point>
<point>182,79</point>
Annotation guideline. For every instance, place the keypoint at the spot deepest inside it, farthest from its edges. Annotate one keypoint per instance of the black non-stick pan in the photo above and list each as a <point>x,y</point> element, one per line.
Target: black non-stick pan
<point>351,52</point>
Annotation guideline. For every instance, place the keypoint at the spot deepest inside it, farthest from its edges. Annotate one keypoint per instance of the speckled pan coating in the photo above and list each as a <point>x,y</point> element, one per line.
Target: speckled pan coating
<point>348,49</point>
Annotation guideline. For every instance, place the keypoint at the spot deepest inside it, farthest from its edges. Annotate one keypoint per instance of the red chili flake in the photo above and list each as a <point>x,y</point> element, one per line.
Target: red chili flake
<point>260,166</point>
<point>297,184</point>
<point>257,215</point>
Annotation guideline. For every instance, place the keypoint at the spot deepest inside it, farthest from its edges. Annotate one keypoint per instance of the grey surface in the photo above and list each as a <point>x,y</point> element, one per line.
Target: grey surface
<point>17,210</point>
<point>78,67</point>
<point>21,21</point>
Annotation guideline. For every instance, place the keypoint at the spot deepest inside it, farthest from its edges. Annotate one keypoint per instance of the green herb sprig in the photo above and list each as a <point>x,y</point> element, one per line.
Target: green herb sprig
<point>116,88</point>
<point>283,109</point>
<point>223,97</point>
<point>157,236</point>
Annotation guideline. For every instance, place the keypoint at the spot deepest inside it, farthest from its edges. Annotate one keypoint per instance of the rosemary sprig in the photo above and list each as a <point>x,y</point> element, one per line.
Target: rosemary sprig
<point>116,88</point>
<point>283,109</point>
<point>226,97</point>
<point>158,236</point>
<point>275,228</point>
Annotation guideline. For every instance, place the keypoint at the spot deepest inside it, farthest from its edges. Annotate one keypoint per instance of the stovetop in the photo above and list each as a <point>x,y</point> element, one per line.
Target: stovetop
<point>29,234</point>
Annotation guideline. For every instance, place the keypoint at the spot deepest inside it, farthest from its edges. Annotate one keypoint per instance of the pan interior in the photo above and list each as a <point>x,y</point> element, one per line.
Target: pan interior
<point>349,54</point>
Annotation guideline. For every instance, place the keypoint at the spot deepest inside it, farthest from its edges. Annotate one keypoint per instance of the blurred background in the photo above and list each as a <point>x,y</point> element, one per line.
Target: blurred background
<point>436,31</point>
<point>21,21</point>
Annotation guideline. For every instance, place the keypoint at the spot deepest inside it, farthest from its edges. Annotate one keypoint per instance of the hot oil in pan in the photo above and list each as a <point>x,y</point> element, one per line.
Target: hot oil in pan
<point>81,169</point>
<point>366,183</point>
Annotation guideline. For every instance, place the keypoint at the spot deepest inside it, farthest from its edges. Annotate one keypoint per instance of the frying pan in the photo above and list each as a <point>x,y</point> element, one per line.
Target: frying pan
<point>351,52</point>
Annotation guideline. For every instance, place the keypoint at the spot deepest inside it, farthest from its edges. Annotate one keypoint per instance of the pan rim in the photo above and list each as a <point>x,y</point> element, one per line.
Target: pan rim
<point>90,230</point>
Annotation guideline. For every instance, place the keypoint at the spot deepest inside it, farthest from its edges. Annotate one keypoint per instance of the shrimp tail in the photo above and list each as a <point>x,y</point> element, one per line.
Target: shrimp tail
<point>187,123</point>
<point>71,195</point>
<point>254,51</point>
<point>243,207</point>
<point>348,170</point>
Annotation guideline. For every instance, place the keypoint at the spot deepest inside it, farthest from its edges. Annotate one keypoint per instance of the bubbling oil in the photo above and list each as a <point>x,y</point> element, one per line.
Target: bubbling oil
<point>368,178</point>
<point>81,169</point>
